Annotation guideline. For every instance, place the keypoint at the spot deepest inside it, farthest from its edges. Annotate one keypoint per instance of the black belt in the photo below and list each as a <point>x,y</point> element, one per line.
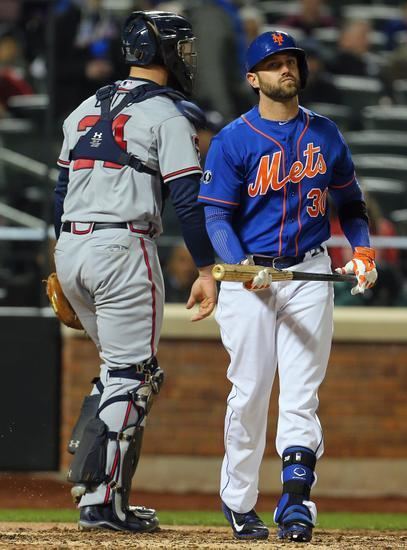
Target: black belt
<point>67,226</point>
<point>284,262</point>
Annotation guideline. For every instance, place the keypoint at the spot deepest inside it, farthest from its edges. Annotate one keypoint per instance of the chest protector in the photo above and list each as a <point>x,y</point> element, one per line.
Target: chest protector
<point>99,143</point>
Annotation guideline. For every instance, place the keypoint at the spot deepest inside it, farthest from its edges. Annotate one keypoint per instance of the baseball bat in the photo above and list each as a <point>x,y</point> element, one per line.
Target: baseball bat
<point>242,273</point>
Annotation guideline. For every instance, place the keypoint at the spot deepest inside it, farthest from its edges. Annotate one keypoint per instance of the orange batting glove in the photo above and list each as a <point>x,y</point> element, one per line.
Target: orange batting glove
<point>363,266</point>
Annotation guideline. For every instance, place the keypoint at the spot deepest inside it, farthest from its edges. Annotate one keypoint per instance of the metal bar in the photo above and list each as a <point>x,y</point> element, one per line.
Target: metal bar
<point>376,241</point>
<point>27,164</point>
<point>20,217</point>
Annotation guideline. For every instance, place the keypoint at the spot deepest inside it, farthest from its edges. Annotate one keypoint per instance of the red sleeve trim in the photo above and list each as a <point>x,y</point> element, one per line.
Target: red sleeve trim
<point>343,185</point>
<point>191,169</point>
<point>217,200</point>
<point>61,162</point>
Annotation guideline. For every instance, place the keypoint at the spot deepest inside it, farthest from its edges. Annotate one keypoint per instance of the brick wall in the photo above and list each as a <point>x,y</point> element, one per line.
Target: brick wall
<point>363,405</point>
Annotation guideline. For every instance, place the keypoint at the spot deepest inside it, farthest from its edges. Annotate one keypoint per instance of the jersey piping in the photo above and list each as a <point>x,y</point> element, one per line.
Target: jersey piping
<point>280,236</point>
<point>344,185</point>
<point>299,187</point>
<point>218,200</point>
<point>183,172</point>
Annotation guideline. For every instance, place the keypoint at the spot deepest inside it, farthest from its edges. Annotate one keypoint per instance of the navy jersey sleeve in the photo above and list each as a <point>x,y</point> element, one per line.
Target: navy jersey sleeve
<point>183,193</point>
<point>60,191</point>
<point>222,179</point>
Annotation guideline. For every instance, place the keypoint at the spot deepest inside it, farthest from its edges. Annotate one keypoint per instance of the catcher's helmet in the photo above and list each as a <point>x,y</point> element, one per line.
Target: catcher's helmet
<point>272,42</point>
<point>161,38</point>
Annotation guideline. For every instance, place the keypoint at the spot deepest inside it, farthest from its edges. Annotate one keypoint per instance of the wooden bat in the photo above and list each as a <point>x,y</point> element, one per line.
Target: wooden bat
<point>243,273</point>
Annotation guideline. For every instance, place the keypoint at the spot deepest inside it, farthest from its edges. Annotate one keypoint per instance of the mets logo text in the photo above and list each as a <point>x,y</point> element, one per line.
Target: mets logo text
<point>268,173</point>
<point>278,38</point>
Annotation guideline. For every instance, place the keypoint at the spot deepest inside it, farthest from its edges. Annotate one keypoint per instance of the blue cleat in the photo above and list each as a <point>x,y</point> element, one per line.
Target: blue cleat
<point>245,526</point>
<point>296,532</point>
<point>101,516</point>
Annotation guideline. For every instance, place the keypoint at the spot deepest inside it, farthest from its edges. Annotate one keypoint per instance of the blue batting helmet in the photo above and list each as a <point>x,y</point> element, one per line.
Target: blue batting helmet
<point>162,38</point>
<point>272,42</point>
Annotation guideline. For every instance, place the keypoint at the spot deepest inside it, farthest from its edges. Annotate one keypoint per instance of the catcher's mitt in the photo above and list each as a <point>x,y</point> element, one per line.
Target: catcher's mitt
<point>60,304</point>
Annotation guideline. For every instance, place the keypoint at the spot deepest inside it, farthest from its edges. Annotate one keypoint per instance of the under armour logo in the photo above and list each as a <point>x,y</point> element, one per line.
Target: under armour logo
<point>278,38</point>
<point>74,443</point>
<point>96,139</point>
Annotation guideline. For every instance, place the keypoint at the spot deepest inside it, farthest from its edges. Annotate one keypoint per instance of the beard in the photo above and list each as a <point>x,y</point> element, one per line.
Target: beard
<point>280,92</point>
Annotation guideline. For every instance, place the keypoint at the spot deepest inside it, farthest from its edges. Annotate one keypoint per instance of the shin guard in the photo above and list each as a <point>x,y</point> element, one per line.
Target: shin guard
<point>298,477</point>
<point>131,437</point>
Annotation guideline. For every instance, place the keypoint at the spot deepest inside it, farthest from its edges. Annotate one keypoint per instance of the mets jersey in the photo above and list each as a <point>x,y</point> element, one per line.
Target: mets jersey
<point>156,132</point>
<point>276,177</point>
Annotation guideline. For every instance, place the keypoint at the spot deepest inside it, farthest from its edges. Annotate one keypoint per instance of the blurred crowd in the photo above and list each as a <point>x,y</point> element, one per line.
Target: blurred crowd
<point>340,38</point>
<point>53,54</point>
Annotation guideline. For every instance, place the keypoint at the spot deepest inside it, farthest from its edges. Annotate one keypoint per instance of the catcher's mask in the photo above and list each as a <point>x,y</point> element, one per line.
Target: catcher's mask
<point>272,42</point>
<point>161,38</point>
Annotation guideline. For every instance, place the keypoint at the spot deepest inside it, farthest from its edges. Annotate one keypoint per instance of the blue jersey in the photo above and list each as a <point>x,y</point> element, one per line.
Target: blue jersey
<point>276,177</point>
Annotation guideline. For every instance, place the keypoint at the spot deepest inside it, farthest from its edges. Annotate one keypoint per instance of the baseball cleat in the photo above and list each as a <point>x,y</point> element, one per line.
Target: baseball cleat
<point>101,516</point>
<point>245,526</point>
<point>296,532</point>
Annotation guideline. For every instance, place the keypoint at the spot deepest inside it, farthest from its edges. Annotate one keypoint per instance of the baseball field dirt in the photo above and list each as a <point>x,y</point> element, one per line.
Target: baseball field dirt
<point>39,491</point>
<point>59,536</point>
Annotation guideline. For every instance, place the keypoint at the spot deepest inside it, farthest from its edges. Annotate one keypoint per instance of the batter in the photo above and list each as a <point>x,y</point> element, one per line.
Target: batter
<point>265,187</point>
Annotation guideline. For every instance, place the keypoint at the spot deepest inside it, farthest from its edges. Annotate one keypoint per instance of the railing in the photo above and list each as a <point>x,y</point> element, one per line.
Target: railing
<point>34,227</point>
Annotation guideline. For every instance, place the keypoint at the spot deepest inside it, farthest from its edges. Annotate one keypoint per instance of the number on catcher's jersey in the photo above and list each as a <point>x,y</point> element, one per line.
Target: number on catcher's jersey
<point>118,133</point>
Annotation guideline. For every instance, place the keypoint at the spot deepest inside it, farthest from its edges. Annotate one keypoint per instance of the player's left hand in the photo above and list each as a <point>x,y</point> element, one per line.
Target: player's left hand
<point>261,281</point>
<point>363,266</point>
<point>204,293</point>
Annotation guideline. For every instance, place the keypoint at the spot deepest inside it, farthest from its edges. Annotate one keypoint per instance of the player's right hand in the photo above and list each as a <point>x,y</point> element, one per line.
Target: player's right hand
<point>363,266</point>
<point>203,292</point>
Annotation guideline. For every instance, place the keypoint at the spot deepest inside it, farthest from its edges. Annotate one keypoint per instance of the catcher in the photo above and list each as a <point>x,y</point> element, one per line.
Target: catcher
<point>121,148</point>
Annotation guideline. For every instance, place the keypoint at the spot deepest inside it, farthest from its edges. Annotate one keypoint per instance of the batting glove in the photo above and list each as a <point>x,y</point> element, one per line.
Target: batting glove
<point>363,266</point>
<point>260,281</point>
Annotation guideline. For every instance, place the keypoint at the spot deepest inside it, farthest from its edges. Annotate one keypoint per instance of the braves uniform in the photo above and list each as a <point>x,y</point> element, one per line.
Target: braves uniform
<point>265,188</point>
<point>115,272</point>
<point>124,149</point>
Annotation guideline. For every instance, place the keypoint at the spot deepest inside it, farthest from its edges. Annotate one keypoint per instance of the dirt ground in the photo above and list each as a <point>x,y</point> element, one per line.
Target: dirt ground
<point>66,536</point>
<point>42,491</point>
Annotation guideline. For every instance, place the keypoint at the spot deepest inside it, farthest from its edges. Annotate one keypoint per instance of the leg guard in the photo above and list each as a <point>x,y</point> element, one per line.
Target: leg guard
<point>89,410</point>
<point>88,468</point>
<point>295,513</point>
<point>131,437</point>
<point>89,462</point>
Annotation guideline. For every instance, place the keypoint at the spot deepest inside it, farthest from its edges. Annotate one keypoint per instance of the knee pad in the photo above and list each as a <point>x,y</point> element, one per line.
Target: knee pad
<point>298,477</point>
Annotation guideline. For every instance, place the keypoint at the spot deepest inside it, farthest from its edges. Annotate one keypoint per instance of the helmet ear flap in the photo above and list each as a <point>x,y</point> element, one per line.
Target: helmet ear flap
<point>140,43</point>
<point>146,51</point>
